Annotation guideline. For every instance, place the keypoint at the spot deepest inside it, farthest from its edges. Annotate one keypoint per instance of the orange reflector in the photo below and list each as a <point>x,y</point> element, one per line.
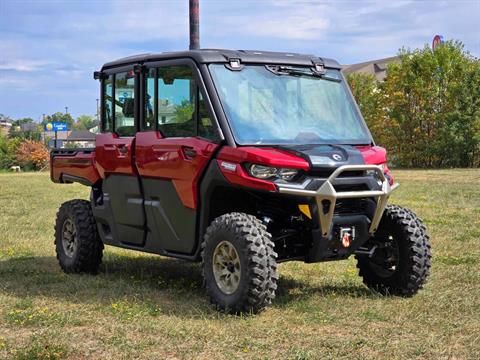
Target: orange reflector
<point>346,240</point>
<point>305,209</point>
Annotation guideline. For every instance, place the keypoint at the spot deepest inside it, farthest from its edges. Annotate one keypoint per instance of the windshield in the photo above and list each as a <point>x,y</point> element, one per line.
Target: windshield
<point>293,105</point>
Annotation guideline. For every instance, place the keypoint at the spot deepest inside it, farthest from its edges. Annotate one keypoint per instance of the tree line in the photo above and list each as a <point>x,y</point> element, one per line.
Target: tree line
<point>23,145</point>
<point>427,110</point>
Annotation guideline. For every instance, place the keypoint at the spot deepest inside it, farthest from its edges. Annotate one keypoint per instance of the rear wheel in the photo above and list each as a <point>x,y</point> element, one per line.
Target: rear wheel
<point>239,263</point>
<point>400,259</point>
<point>77,243</point>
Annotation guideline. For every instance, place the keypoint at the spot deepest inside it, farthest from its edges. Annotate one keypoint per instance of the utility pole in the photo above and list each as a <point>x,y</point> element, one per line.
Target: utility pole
<point>194,25</point>
<point>43,126</point>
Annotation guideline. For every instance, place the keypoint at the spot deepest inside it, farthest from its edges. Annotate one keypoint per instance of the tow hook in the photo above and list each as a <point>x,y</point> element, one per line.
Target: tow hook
<point>347,235</point>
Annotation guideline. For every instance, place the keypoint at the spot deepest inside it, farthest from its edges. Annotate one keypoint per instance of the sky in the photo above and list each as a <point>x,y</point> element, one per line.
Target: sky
<point>49,49</point>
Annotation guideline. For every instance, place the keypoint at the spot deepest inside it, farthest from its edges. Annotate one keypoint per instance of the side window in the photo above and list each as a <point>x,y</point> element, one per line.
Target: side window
<point>174,104</point>
<point>125,104</point>
<point>206,129</point>
<point>107,106</point>
<point>177,91</point>
<point>149,121</point>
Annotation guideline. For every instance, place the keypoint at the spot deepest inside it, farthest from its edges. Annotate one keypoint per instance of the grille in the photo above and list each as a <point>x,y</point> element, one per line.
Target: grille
<point>325,173</point>
<point>353,187</point>
<point>351,206</point>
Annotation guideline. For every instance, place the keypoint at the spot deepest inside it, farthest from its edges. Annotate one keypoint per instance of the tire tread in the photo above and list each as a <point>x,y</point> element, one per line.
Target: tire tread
<point>417,264</point>
<point>90,247</point>
<point>262,266</point>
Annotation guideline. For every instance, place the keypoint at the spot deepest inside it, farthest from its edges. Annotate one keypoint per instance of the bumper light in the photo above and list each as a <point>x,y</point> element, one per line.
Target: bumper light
<point>374,173</point>
<point>270,173</point>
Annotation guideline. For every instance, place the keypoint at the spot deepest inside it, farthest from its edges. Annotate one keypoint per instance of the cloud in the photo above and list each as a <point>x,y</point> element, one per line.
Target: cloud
<point>48,50</point>
<point>295,20</point>
<point>24,65</point>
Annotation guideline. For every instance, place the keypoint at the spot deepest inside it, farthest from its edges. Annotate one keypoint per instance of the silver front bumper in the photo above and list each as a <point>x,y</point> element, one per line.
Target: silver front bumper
<point>327,192</point>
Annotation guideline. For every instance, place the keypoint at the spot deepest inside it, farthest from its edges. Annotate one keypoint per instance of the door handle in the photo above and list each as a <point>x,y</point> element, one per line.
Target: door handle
<point>122,149</point>
<point>189,152</point>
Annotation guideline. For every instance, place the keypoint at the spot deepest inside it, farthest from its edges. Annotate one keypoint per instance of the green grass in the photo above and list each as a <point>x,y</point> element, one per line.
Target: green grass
<point>149,307</point>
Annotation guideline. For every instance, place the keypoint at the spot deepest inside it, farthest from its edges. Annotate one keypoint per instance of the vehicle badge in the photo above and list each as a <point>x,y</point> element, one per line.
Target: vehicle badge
<point>337,157</point>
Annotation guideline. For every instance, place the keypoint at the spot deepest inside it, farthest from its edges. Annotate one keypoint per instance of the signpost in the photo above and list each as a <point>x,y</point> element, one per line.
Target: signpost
<point>56,126</point>
<point>437,40</point>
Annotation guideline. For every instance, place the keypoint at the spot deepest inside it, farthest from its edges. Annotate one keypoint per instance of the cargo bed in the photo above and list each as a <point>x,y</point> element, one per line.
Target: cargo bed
<point>73,165</point>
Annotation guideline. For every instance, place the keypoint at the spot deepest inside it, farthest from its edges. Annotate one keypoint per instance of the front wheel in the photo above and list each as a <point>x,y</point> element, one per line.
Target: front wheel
<point>400,257</point>
<point>77,243</point>
<point>239,263</point>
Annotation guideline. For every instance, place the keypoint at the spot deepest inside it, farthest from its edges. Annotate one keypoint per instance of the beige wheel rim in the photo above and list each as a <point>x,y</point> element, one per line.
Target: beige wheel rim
<point>69,238</point>
<point>226,267</point>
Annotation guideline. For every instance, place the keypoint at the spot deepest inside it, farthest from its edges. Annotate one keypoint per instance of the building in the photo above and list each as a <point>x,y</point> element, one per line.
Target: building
<point>377,68</point>
<point>71,139</point>
<point>81,139</point>
<point>48,137</point>
<point>5,127</point>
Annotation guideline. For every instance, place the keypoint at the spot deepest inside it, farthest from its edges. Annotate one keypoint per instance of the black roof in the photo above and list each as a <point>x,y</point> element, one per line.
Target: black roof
<point>81,135</point>
<point>222,56</point>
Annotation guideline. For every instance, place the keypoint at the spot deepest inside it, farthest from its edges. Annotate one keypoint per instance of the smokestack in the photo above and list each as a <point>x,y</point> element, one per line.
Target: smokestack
<point>194,25</point>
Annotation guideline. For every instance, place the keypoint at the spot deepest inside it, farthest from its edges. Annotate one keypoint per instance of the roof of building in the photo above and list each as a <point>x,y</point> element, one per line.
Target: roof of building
<point>223,55</point>
<point>376,68</point>
<point>81,135</point>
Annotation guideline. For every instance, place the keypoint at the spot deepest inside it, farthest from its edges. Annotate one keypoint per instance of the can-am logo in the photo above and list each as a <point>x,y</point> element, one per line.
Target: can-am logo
<point>336,157</point>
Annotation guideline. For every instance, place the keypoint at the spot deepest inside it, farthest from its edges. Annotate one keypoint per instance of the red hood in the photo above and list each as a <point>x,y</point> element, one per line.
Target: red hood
<point>373,155</point>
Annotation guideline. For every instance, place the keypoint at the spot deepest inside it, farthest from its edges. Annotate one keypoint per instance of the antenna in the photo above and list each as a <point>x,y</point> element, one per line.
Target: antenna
<point>194,25</point>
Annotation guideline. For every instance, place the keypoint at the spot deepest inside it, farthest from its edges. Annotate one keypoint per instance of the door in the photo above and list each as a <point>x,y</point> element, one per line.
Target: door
<point>171,154</point>
<point>114,152</point>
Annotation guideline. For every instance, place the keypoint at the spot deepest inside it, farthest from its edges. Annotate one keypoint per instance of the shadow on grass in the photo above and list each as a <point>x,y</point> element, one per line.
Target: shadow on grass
<point>174,285</point>
<point>291,290</point>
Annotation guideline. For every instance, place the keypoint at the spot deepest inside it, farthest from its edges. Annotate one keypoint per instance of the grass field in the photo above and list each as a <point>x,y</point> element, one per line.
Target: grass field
<point>149,307</point>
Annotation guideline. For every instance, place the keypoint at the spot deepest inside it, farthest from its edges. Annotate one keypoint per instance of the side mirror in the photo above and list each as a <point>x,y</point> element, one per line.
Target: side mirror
<point>98,75</point>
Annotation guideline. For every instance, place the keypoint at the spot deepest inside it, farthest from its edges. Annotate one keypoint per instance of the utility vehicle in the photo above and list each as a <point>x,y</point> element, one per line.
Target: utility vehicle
<point>238,160</point>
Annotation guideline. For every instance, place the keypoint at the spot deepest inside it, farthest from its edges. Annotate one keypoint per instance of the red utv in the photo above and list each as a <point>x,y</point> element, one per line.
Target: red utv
<point>239,160</point>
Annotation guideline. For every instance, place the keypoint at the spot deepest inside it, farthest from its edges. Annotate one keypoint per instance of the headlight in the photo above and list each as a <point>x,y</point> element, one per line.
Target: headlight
<point>287,174</point>
<point>263,172</point>
<point>268,172</point>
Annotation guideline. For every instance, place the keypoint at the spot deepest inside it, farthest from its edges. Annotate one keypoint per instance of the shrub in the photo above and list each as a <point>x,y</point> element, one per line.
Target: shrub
<point>32,155</point>
<point>427,110</point>
<point>8,148</point>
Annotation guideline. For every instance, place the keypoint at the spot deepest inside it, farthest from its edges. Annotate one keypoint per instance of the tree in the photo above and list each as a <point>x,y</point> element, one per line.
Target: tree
<point>59,117</point>
<point>26,128</point>
<point>433,101</point>
<point>427,110</point>
<point>21,121</point>
<point>7,158</point>
<point>5,118</point>
<point>8,148</point>
<point>85,122</point>
<point>32,155</point>
<point>184,111</point>
<point>367,92</point>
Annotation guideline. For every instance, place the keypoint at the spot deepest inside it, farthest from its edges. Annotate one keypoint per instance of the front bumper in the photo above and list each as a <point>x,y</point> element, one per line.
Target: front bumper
<point>326,196</point>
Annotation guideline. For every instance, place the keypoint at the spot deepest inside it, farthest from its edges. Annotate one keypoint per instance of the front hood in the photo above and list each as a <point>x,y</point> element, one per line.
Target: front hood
<point>333,156</point>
